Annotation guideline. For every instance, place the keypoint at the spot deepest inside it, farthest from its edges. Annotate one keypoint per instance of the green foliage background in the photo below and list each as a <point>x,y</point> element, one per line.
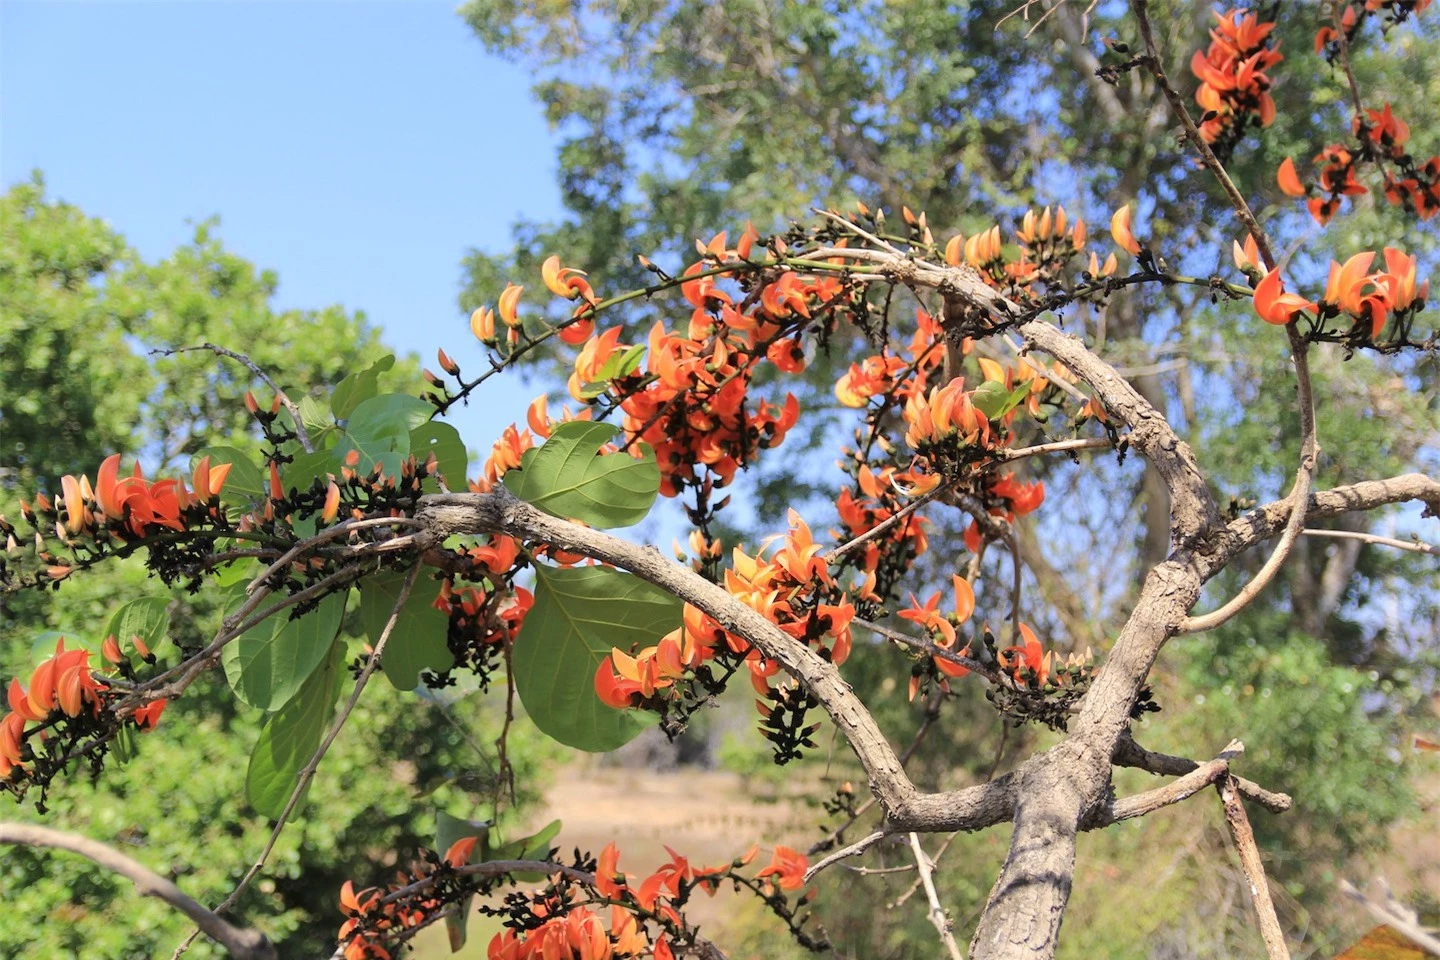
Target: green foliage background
<point>79,313</point>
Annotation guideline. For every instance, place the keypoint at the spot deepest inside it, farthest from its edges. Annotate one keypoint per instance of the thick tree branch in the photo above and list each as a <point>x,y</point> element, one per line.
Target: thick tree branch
<point>242,943</point>
<point>1265,521</point>
<point>905,808</point>
<point>1128,753</point>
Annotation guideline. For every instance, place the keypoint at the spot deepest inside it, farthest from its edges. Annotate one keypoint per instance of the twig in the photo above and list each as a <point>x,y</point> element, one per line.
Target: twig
<point>1059,446</point>
<point>308,771</point>
<point>241,942</point>
<point>1239,824</point>
<point>1417,546</point>
<point>1309,445</point>
<point>324,536</point>
<point>855,849</point>
<point>1395,916</point>
<point>933,649</point>
<point>1176,790</point>
<point>301,433</point>
<point>885,524</point>
<point>937,912</point>
<point>1128,753</point>
<point>910,891</point>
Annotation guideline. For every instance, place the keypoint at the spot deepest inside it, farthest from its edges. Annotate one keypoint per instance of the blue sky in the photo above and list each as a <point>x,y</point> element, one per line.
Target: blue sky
<point>358,149</point>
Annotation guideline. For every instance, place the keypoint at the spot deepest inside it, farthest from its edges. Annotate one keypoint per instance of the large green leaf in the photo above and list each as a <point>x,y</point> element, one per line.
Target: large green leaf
<point>244,484</point>
<point>291,737</point>
<point>145,617</point>
<point>444,441</point>
<point>418,640</point>
<point>267,664</point>
<point>568,479</point>
<point>358,387</point>
<point>379,428</point>
<point>449,829</point>
<point>302,472</point>
<point>579,615</point>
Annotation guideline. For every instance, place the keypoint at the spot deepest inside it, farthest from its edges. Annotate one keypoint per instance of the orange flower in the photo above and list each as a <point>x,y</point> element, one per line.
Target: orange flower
<point>1120,230</point>
<point>459,853</point>
<point>1400,280</point>
<point>567,282</point>
<point>509,303</point>
<point>482,324</point>
<point>148,716</point>
<point>1276,306</point>
<point>1027,656</point>
<point>788,867</point>
<point>1290,184</point>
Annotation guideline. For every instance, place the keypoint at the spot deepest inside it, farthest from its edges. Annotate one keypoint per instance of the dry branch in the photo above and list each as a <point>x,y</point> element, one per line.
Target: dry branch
<point>241,942</point>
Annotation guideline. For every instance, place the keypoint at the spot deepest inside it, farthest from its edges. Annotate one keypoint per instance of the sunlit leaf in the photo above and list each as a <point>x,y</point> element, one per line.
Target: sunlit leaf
<point>580,613</point>
<point>291,737</point>
<point>566,477</point>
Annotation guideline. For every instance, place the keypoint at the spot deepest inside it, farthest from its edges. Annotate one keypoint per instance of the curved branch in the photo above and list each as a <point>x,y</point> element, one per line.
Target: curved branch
<point>1264,521</point>
<point>241,942</point>
<point>501,512</point>
<point>1299,351</point>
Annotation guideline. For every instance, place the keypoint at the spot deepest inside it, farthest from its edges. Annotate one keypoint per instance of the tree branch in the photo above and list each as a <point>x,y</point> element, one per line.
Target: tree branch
<point>241,942</point>
<point>1239,824</point>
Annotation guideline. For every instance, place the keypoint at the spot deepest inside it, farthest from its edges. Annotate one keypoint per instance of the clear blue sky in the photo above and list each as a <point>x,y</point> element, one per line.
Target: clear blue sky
<point>358,149</point>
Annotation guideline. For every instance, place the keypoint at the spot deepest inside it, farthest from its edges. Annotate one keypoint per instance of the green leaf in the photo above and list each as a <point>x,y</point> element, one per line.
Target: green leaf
<point>358,387</point>
<point>236,571</point>
<point>567,479</point>
<point>302,472</point>
<point>1017,397</point>
<point>418,641</point>
<point>268,663</point>
<point>619,365</point>
<point>245,483</point>
<point>448,830</point>
<point>379,429</point>
<point>313,416</point>
<point>534,847</point>
<point>444,441</point>
<point>291,737</point>
<point>146,617</point>
<point>990,399</point>
<point>579,615</point>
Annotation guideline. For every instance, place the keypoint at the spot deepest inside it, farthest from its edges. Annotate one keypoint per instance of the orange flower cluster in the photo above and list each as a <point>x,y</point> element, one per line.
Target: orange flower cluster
<point>1033,666</point>
<point>694,409</point>
<point>131,507</point>
<point>1010,499</point>
<point>1367,299</point>
<point>579,934</point>
<point>1047,240</point>
<point>372,920</point>
<point>942,627</point>
<point>946,416</point>
<point>881,501</point>
<point>64,683</point>
<point>1234,85</point>
<point>794,590</point>
<point>1327,38</point>
<point>1380,137</point>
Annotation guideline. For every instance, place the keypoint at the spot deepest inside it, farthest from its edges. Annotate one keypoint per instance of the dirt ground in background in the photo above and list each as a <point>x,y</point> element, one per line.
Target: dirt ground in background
<point>709,817</point>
